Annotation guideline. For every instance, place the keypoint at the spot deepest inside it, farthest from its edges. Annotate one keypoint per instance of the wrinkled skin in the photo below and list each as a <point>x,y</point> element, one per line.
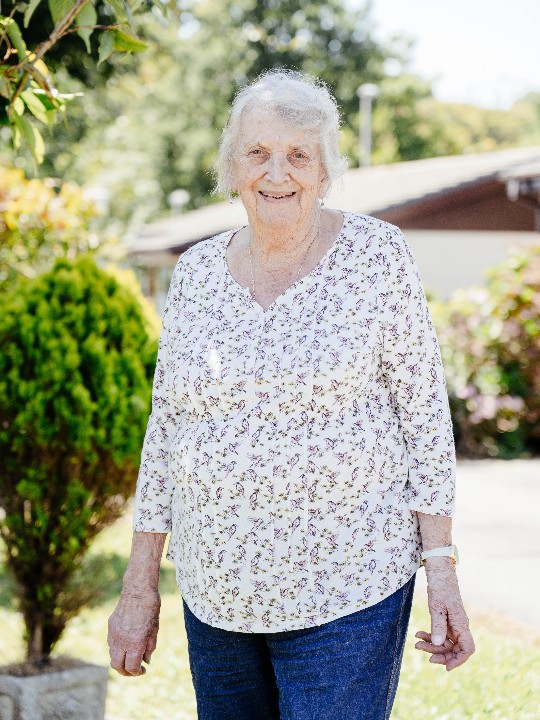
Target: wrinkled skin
<point>134,624</point>
<point>450,642</point>
<point>133,629</point>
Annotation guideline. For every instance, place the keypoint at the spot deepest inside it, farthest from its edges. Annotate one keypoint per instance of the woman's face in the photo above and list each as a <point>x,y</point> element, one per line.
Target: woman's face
<point>277,170</point>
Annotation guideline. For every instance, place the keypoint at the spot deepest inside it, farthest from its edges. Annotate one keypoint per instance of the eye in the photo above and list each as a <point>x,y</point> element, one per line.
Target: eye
<point>298,158</point>
<point>256,154</point>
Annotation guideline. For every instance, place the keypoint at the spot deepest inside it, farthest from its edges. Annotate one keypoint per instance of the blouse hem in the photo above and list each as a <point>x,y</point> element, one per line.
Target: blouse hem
<point>301,623</point>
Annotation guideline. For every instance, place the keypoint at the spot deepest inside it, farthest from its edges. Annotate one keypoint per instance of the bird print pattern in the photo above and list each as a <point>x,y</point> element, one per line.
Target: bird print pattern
<point>289,449</point>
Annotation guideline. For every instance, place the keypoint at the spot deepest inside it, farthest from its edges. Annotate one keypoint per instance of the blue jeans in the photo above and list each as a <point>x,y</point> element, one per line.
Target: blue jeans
<point>346,669</point>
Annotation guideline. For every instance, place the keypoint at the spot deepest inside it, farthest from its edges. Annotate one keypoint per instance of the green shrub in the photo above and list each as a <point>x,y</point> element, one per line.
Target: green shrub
<point>76,363</point>
<point>42,220</point>
<point>490,342</point>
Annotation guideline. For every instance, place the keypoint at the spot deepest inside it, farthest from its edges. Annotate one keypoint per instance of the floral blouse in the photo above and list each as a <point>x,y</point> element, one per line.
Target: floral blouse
<point>288,449</point>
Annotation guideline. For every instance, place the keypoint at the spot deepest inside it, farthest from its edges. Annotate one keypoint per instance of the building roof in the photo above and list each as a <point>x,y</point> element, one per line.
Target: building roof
<point>384,187</point>
<point>373,190</point>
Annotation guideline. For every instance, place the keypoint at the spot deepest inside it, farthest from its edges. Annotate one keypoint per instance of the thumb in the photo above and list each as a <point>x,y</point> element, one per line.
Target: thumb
<point>439,628</point>
<point>150,647</point>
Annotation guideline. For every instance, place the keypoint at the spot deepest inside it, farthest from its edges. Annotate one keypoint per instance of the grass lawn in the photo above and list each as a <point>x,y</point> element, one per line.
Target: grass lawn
<point>500,682</point>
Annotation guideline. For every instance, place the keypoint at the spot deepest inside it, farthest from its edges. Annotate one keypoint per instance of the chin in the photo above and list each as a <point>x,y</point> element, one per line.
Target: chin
<point>279,214</point>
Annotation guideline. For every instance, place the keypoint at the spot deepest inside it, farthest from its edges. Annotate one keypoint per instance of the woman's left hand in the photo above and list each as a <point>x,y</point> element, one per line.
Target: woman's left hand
<point>450,642</point>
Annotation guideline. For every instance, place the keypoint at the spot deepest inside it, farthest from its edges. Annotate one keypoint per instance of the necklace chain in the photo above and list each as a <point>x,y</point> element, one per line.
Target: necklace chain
<point>317,223</point>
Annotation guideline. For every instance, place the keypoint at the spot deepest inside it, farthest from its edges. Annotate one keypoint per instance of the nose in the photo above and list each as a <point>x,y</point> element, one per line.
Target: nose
<point>277,170</point>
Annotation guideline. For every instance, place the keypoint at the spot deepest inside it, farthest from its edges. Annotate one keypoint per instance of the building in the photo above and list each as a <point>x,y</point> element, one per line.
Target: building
<point>461,215</point>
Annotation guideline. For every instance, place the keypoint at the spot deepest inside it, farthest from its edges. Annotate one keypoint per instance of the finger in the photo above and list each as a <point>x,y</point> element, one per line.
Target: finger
<point>439,627</point>
<point>123,673</point>
<point>438,659</point>
<point>426,643</point>
<point>466,642</point>
<point>148,653</point>
<point>117,660</point>
<point>426,637</point>
<point>133,662</point>
<point>150,647</point>
<point>463,651</point>
<point>431,648</point>
<point>457,660</point>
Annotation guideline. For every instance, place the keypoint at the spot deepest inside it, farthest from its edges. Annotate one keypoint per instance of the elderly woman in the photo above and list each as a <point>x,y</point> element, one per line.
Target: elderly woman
<point>300,447</point>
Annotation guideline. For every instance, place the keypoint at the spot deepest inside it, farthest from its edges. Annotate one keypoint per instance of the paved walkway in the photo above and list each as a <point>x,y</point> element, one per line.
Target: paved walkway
<point>497,530</point>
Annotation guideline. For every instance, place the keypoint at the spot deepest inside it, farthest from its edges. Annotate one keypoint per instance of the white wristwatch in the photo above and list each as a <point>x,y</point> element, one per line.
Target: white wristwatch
<point>451,551</point>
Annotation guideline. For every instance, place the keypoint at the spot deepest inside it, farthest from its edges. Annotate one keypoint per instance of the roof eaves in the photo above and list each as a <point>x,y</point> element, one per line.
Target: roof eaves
<point>434,195</point>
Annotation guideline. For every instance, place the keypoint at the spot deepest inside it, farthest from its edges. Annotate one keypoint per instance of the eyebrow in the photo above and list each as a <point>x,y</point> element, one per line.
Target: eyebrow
<point>258,143</point>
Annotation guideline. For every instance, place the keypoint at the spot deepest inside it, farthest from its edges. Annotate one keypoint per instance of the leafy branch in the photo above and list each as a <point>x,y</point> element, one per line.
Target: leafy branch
<point>27,90</point>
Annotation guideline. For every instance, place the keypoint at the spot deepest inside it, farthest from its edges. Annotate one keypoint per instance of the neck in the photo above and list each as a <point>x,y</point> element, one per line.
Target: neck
<point>275,244</point>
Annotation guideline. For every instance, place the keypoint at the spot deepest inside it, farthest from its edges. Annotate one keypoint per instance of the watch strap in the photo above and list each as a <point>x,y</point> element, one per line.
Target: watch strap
<point>450,551</point>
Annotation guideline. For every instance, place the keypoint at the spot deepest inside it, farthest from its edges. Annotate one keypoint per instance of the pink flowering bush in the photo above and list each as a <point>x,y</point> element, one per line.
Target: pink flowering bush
<point>490,342</point>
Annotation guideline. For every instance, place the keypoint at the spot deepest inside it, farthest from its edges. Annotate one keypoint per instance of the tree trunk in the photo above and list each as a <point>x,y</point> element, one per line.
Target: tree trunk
<point>34,648</point>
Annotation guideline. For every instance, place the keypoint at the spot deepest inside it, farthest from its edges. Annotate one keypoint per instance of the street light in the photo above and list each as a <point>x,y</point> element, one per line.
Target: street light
<point>177,199</point>
<point>367,93</point>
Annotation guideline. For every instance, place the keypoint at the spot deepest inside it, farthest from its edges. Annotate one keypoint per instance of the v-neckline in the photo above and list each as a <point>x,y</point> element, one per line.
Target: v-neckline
<point>314,271</point>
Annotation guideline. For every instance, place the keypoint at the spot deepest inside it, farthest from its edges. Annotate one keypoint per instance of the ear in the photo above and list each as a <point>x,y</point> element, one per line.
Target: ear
<point>232,181</point>
<point>324,186</point>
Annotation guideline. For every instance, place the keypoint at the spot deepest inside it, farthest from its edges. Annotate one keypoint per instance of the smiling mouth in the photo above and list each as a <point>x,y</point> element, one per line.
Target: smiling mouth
<point>277,196</point>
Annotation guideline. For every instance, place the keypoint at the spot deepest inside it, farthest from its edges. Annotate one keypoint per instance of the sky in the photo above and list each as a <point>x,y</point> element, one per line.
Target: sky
<point>485,52</point>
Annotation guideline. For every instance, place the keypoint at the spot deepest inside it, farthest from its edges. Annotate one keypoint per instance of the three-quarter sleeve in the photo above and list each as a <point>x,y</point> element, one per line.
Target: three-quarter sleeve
<point>411,362</point>
<point>154,485</point>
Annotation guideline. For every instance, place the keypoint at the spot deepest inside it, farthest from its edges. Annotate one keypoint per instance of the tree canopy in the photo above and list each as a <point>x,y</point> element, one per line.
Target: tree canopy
<point>149,123</point>
<point>35,31</point>
<point>182,86</point>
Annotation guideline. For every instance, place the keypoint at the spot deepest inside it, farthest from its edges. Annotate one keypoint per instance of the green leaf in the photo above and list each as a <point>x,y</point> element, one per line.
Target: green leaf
<point>59,8</point>
<point>39,146</point>
<point>118,9</point>
<point>106,45</point>
<point>48,103</point>
<point>32,5</point>
<point>5,85</point>
<point>15,36</point>
<point>16,137</point>
<point>36,107</point>
<point>51,116</point>
<point>130,18</point>
<point>13,112</point>
<point>87,16</point>
<point>127,43</point>
<point>18,106</point>
<point>31,136</point>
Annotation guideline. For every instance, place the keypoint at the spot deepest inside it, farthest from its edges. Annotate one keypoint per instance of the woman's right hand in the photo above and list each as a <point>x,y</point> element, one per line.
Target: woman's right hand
<point>133,629</point>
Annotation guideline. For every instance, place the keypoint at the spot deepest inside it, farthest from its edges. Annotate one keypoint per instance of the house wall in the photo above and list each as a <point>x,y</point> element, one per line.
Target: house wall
<point>449,260</point>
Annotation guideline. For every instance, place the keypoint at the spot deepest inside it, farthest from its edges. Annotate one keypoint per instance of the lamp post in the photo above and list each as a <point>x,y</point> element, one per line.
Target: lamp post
<point>367,93</point>
<point>177,199</point>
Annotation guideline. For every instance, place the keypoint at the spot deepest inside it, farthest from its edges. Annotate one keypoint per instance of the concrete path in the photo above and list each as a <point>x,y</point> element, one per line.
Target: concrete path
<point>497,530</point>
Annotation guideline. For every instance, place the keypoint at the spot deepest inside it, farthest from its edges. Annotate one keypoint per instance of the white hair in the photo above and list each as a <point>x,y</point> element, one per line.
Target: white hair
<point>304,102</point>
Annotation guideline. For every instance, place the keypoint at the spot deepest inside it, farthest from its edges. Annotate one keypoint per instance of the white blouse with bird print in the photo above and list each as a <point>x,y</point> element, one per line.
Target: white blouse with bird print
<point>289,448</point>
